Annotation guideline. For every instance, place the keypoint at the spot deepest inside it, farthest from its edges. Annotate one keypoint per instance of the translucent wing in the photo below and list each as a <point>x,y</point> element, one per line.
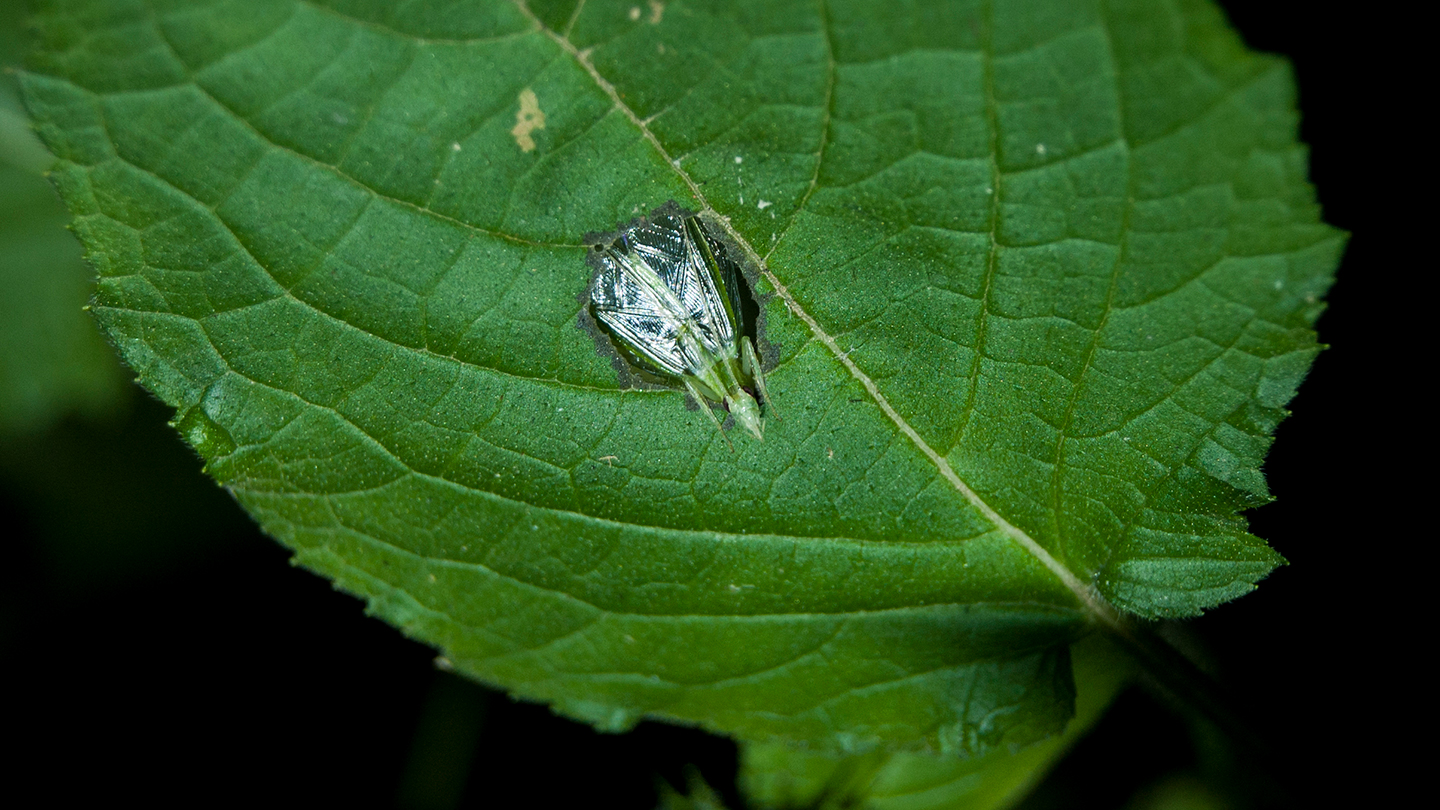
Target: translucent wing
<point>655,291</point>
<point>729,275</point>
<point>668,249</point>
<point>632,310</point>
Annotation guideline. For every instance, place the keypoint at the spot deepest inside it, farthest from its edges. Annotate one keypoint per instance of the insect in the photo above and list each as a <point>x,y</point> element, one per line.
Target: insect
<point>668,295</point>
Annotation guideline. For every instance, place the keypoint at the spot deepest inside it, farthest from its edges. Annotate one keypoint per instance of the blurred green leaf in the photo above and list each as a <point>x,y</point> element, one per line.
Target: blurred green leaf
<point>1039,279</point>
<point>116,500</point>
<point>698,795</point>
<point>105,490</point>
<point>52,358</point>
<point>441,754</point>
<point>19,148</point>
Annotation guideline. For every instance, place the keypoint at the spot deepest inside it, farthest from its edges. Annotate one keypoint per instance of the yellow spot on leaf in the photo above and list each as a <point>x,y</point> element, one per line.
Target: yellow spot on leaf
<point>657,10</point>
<point>527,120</point>
<point>634,12</point>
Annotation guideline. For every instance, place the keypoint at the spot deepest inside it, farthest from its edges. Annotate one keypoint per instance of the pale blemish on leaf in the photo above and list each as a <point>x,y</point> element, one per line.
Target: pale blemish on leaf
<point>634,13</point>
<point>657,11</point>
<point>527,120</point>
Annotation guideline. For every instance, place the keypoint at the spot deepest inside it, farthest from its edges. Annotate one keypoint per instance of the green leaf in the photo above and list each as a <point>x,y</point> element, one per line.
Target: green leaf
<point>778,776</point>
<point>698,794</point>
<point>1039,279</point>
<point>52,359</point>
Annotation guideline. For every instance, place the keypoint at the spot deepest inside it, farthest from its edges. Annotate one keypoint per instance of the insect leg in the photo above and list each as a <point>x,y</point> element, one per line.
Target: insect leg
<point>705,406</point>
<point>750,364</point>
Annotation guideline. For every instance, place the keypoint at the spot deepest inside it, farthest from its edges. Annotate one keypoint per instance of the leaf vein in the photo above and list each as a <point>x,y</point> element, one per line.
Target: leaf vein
<point>1086,594</point>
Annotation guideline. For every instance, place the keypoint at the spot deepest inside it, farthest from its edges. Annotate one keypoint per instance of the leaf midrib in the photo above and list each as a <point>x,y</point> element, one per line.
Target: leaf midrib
<point>1096,605</point>
<point>1093,603</point>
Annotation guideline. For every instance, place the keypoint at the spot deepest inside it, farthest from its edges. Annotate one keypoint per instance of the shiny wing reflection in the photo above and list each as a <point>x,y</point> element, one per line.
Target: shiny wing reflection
<point>655,291</point>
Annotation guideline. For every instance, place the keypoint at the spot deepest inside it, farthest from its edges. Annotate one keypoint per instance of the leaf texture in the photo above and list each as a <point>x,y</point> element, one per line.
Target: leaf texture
<point>1039,279</point>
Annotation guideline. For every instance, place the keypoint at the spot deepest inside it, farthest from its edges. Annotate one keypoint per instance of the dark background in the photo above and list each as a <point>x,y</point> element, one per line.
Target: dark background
<point>165,652</point>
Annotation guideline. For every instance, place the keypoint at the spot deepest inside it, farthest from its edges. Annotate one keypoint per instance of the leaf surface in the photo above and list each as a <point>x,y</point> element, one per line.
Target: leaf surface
<point>1039,279</point>
<point>779,776</point>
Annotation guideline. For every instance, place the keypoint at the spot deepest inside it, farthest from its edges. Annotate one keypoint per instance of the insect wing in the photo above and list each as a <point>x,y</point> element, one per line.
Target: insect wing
<point>726,272</point>
<point>715,317</point>
<point>668,247</point>
<point>656,289</point>
<point>636,315</point>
